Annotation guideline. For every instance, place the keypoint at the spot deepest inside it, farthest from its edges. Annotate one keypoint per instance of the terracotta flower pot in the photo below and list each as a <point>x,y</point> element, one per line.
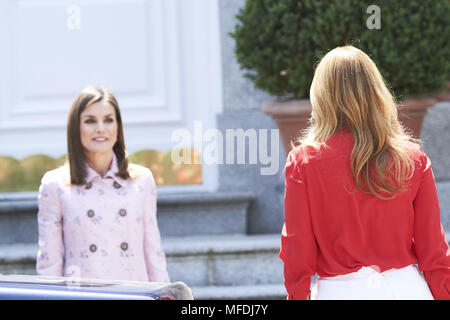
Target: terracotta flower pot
<point>291,116</point>
<point>413,112</point>
<point>445,95</point>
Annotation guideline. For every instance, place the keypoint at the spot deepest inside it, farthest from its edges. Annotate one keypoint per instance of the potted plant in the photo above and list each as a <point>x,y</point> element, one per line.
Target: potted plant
<point>278,43</point>
<point>445,95</point>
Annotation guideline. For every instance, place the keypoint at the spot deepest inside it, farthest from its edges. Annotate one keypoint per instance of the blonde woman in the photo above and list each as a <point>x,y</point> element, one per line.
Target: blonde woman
<point>361,206</point>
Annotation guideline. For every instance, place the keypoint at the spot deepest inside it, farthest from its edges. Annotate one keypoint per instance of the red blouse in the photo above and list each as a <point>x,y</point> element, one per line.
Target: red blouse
<point>331,231</point>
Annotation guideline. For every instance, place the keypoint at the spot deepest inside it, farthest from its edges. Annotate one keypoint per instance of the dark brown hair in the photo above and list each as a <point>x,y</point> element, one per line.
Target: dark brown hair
<point>75,151</point>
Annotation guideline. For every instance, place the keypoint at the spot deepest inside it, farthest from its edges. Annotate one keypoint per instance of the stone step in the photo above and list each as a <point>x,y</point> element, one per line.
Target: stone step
<point>18,258</point>
<point>225,260</point>
<point>232,260</point>
<point>212,213</point>
<point>178,215</point>
<point>250,292</point>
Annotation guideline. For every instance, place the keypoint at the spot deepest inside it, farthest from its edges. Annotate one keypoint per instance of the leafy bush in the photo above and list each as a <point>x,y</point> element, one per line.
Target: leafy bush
<point>279,41</point>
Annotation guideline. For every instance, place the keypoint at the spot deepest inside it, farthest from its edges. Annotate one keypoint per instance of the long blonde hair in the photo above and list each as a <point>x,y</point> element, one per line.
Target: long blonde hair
<point>349,91</point>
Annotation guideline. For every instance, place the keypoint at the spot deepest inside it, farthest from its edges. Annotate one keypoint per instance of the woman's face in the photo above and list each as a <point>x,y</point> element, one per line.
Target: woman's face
<point>98,128</point>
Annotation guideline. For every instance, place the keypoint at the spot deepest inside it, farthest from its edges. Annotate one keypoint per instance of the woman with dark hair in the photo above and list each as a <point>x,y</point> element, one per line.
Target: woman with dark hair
<point>361,206</point>
<point>97,213</point>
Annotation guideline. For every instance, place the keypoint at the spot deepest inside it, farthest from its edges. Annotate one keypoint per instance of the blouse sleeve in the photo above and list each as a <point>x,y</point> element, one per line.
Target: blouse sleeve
<point>431,247</point>
<point>298,244</point>
<point>154,255</point>
<point>49,260</point>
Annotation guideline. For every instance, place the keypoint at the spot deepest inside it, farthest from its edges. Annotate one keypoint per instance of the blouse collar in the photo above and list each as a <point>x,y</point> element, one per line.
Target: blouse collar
<point>111,173</point>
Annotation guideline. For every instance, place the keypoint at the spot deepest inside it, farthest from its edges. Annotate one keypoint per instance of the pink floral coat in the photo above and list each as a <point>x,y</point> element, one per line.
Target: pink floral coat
<point>104,229</point>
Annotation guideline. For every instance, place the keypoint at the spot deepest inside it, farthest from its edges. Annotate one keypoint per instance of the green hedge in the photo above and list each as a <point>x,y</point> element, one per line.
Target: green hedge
<point>279,41</point>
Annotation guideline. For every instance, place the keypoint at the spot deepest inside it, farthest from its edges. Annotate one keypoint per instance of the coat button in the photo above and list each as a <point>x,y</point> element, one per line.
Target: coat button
<point>89,185</point>
<point>123,212</point>
<point>124,246</point>
<point>93,247</point>
<point>116,185</point>
<point>91,213</point>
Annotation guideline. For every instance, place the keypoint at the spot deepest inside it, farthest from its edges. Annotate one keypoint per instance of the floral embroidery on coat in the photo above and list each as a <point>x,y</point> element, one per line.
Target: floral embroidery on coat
<point>70,235</point>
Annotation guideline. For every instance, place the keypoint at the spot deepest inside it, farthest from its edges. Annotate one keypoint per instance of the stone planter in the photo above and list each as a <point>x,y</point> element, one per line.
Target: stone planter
<point>444,96</point>
<point>291,116</point>
<point>413,112</point>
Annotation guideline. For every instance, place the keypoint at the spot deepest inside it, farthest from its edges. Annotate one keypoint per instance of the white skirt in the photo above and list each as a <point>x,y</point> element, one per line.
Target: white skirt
<point>367,284</point>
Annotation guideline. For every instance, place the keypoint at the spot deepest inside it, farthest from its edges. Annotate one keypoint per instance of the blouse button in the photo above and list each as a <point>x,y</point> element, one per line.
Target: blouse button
<point>89,185</point>
<point>93,247</point>
<point>124,246</point>
<point>116,185</point>
<point>123,212</point>
<point>90,213</point>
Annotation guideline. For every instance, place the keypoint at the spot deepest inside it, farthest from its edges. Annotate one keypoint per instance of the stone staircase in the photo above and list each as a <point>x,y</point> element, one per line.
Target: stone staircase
<point>203,235</point>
